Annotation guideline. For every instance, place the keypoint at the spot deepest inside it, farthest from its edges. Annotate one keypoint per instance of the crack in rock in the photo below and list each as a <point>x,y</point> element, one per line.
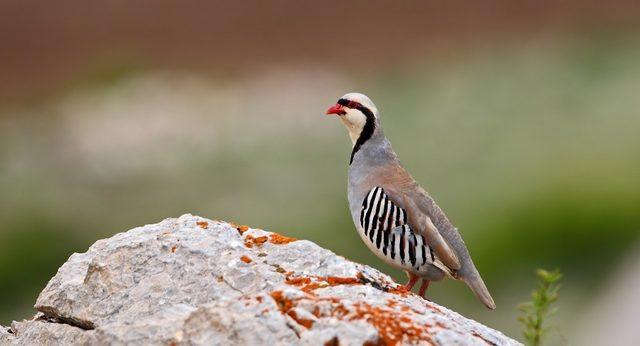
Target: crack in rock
<point>85,325</point>
<point>52,315</point>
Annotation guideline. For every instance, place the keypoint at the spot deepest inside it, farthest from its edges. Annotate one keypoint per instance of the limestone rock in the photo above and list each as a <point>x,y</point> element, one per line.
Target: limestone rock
<point>196,281</point>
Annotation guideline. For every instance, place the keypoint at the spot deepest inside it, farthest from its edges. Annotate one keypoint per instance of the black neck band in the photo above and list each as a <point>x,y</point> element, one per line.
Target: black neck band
<point>367,130</point>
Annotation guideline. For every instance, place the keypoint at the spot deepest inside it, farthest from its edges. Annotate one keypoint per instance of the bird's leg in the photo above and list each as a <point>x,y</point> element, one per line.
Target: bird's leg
<point>412,281</point>
<point>423,287</point>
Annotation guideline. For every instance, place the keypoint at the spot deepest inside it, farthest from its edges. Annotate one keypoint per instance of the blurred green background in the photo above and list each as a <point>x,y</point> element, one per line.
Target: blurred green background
<point>521,118</point>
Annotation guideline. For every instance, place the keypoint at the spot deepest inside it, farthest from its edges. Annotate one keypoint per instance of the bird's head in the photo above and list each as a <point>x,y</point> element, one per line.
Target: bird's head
<point>357,113</point>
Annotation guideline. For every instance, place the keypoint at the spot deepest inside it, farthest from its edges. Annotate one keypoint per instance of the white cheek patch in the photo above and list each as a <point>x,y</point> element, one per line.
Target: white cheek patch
<point>354,120</point>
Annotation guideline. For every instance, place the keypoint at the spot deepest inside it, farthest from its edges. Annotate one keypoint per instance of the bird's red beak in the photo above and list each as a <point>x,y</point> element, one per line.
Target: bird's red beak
<point>336,109</point>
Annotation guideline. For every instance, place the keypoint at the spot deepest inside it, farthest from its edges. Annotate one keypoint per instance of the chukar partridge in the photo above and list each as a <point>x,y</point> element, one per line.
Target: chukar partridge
<point>396,217</point>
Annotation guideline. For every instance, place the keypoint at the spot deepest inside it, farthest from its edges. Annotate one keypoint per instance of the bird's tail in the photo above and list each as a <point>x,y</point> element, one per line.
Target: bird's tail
<point>474,281</point>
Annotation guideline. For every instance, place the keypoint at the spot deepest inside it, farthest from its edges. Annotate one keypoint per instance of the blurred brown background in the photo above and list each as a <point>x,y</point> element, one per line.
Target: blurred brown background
<point>520,117</point>
<point>44,44</point>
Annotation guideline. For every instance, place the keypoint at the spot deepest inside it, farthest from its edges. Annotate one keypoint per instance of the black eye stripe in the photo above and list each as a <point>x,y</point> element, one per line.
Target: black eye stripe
<point>353,105</point>
<point>350,104</point>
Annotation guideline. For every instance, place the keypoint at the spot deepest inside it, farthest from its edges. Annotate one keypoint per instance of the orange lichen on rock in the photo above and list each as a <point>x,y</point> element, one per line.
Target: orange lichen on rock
<point>284,304</point>
<point>339,311</point>
<point>392,303</point>
<point>280,239</point>
<point>250,241</point>
<point>310,283</point>
<point>202,224</point>
<point>260,240</point>
<point>337,280</point>
<point>316,311</point>
<point>400,290</point>
<point>246,259</point>
<point>393,321</point>
<point>301,321</point>
<point>240,228</point>
<point>286,307</point>
<point>173,248</point>
<point>378,342</point>
<point>392,326</point>
<point>304,281</point>
<point>310,287</point>
<point>332,342</point>
<point>297,281</point>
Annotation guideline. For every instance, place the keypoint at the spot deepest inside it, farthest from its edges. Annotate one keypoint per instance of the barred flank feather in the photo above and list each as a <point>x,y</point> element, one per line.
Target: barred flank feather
<point>385,226</point>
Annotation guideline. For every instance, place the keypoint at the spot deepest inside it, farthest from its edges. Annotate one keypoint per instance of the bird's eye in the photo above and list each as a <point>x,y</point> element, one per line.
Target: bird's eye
<point>353,104</point>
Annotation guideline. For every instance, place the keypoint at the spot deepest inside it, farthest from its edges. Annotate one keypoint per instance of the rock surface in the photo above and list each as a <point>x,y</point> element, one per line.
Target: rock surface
<point>195,281</point>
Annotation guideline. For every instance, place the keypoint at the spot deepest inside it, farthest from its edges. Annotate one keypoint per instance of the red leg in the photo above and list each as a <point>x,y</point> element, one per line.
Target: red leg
<point>412,281</point>
<point>423,287</point>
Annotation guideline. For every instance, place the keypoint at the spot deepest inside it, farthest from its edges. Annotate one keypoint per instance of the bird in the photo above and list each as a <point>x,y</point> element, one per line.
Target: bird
<point>395,217</point>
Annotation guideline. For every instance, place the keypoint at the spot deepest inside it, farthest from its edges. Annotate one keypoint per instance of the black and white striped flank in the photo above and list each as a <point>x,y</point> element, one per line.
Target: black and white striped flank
<point>385,225</point>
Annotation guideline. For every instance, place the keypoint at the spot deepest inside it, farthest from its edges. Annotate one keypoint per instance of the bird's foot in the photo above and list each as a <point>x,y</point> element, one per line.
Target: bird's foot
<point>423,288</point>
<point>412,281</point>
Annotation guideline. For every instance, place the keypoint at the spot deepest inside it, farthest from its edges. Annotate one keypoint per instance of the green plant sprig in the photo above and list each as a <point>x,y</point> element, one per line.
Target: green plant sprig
<point>536,312</point>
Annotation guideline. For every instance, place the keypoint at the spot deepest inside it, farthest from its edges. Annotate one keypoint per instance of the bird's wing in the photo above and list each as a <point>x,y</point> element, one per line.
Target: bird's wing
<point>383,209</point>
